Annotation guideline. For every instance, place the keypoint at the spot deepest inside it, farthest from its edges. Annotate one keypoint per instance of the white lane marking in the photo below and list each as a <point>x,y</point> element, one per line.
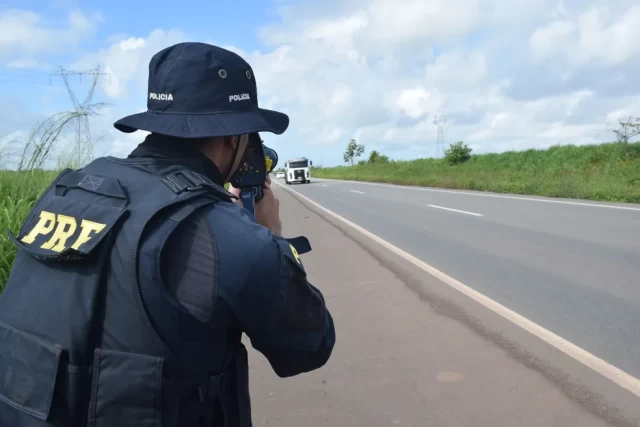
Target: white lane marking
<point>498,196</point>
<point>355,191</point>
<point>324,185</point>
<point>454,210</point>
<point>605,369</point>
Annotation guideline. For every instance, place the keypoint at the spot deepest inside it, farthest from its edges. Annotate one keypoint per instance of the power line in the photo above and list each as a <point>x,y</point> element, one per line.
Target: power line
<point>64,73</point>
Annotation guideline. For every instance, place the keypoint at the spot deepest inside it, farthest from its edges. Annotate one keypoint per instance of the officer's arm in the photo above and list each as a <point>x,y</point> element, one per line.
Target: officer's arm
<point>284,316</point>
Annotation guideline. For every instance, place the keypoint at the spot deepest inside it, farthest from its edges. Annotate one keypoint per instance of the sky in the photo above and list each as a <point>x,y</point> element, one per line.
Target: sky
<point>506,75</point>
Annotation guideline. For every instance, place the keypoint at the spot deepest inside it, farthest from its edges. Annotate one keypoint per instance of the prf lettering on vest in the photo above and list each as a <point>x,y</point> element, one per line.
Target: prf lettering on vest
<point>63,227</point>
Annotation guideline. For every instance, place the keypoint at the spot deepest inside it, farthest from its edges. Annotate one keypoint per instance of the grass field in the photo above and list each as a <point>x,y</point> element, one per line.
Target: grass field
<point>18,192</point>
<point>608,172</point>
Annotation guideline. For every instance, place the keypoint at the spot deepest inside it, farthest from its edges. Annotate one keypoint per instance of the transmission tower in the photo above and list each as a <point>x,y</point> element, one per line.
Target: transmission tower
<point>440,121</point>
<point>82,110</point>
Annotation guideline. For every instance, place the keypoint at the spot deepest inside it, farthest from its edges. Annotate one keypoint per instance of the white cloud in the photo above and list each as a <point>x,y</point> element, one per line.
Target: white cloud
<point>23,32</point>
<point>507,75</point>
<point>457,70</point>
<point>559,10</point>
<point>126,61</point>
<point>597,35</point>
<point>611,44</point>
<point>417,102</point>
<point>405,21</point>
<point>551,38</point>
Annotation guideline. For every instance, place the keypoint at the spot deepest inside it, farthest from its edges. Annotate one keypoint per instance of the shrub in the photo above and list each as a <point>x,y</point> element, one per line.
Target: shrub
<point>457,153</point>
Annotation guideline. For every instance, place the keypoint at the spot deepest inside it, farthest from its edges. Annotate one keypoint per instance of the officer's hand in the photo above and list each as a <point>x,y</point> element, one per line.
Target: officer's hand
<point>236,191</point>
<point>268,209</point>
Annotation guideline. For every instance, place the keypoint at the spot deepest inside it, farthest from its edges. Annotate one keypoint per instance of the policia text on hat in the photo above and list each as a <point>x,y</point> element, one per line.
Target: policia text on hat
<point>136,277</point>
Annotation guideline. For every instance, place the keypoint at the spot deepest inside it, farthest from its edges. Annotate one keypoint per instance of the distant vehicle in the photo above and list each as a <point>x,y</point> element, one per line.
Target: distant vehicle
<point>297,170</point>
<point>280,175</point>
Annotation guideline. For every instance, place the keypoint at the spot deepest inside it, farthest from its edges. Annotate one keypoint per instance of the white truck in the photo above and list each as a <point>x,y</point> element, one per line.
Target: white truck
<point>297,170</point>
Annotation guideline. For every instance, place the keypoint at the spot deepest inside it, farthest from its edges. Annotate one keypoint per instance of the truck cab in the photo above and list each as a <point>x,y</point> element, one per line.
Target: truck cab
<point>297,170</point>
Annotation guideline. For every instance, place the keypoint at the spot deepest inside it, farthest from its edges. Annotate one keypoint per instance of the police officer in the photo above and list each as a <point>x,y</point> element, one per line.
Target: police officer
<point>135,278</point>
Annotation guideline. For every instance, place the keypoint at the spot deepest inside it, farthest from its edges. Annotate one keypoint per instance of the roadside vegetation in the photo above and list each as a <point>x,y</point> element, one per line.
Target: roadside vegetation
<point>605,172</point>
<point>62,140</point>
<point>18,193</point>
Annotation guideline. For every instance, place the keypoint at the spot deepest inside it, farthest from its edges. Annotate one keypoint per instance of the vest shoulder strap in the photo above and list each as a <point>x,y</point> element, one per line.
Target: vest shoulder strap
<point>188,180</point>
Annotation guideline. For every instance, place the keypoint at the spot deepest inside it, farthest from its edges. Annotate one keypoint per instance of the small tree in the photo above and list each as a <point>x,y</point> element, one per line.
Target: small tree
<point>629,128</point>
<point>373,156</point>
<point>376,158</point>
<point>457,153</point>
<point>353,150</point>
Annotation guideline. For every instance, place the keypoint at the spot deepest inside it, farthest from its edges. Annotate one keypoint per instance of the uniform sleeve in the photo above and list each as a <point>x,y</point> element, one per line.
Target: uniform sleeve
<point>284,316</point>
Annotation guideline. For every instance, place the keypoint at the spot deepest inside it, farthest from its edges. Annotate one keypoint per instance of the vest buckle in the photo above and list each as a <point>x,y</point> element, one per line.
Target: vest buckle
<point>213,387</point>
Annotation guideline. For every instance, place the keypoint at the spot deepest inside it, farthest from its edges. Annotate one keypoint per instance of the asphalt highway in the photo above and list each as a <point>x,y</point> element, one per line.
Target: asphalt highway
<point>572,267</point>
<point>411,351</point>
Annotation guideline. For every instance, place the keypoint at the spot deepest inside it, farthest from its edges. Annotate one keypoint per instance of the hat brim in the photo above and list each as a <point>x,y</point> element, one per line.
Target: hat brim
<point>205,125</point>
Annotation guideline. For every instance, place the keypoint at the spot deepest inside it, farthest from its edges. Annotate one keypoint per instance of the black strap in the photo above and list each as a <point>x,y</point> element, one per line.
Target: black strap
<point>208,388</point>
<point>301,244</point>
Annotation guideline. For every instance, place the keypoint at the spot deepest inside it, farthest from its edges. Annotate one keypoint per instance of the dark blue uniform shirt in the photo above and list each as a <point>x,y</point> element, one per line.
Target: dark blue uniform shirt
<point>280,311</point>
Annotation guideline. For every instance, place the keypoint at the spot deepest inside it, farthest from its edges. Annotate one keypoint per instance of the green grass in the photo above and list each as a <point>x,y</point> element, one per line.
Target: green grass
<point>607,172</point>
<point>18,193</point>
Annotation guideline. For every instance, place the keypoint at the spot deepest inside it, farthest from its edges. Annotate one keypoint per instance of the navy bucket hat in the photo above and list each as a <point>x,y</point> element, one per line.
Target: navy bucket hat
<point>198,90</point>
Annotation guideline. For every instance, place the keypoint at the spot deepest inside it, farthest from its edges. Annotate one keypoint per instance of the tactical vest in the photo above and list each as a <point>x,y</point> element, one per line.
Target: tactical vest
<point>89,339</point>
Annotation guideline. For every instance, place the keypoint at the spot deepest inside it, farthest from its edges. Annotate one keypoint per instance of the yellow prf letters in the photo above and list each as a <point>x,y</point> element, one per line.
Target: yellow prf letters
<point>295,253</point>
<point>65,226</point>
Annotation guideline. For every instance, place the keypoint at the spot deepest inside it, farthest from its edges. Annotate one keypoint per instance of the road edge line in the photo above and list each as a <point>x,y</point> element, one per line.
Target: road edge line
<point>607,370</point>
